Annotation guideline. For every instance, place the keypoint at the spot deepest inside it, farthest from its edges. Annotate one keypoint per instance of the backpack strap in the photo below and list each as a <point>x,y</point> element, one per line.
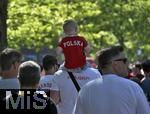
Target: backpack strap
<point>74,81</point>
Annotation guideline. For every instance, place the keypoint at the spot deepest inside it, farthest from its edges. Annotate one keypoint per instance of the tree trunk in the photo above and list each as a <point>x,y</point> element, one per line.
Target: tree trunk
<point>3,25</point>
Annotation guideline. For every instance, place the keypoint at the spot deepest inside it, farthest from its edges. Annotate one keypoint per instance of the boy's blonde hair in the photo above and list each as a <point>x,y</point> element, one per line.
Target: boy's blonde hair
<point>70,26</point>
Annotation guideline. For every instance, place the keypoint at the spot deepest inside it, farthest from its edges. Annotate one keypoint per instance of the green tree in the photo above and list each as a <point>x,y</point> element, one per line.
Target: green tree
<point>38,23</point>
<point>129,21</point>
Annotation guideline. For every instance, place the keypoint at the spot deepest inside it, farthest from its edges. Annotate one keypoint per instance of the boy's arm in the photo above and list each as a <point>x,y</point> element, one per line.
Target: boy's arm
<point>59,50</point>
<point>87,48</point>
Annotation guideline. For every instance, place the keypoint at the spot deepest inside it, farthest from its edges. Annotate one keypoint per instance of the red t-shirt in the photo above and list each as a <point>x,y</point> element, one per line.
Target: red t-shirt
<point>73,49</point>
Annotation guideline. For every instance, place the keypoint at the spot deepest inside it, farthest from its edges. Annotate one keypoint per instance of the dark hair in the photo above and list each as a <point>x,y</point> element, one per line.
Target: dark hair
<point>8,57</point>
<point>49,61</point>
<point>105,55</point>
<point>29,74</point>
<point>146,66</point>
<point>138,65</point>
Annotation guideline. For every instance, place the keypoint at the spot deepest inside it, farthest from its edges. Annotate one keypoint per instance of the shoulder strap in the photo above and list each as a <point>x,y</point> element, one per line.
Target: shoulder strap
<point>74,81</point>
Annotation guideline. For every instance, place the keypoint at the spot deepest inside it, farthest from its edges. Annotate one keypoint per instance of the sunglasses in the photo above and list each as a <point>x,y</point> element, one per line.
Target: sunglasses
<point>124,60</point>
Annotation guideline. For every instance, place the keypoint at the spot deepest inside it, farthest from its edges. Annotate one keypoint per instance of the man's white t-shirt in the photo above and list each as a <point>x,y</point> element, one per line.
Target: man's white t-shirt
<point>46,82</point>
<point>68,92</point>
<point>113,95</point>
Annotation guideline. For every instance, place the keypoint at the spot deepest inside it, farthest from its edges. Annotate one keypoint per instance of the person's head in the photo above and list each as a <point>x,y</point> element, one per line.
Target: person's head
<point>29,75</point>
<point>50,64</point>
<point>112,60</point>
<point>146,67</point>
<point>10,60</point>
<point>70,27</point>
<point>136,68</point>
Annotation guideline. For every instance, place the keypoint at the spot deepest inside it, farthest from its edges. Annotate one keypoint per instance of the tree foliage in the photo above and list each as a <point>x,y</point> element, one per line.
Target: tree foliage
<point>38,23</point>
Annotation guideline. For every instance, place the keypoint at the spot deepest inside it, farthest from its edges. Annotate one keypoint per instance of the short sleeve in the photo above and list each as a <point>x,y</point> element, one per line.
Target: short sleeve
<point>54,84</point>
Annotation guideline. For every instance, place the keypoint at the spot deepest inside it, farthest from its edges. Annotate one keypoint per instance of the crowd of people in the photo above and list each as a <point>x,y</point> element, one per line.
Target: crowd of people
<point>74,87</point>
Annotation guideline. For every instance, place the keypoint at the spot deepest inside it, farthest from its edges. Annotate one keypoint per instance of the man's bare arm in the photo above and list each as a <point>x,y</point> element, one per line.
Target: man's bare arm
<point>55,95</point>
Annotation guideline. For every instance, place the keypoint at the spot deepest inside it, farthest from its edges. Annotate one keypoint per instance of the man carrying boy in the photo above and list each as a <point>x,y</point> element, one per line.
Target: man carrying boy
<point>73,46</point>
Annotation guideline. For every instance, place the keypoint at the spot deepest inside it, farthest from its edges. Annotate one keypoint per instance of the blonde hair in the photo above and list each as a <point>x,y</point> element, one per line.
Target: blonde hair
<point>70,27</point>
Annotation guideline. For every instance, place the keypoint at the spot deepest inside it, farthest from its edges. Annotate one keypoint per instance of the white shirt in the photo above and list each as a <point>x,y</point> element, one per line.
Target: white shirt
<point>46,82</point>
<point>113,95</point>
<point>67,90</point>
